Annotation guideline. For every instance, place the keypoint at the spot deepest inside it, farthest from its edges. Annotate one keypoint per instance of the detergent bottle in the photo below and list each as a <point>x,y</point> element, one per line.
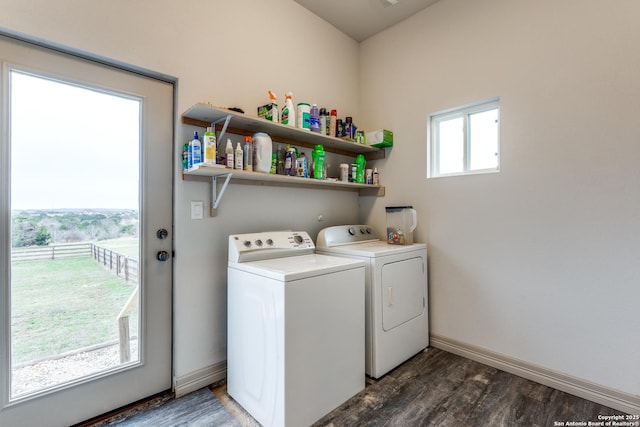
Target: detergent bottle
<point>360,162</point>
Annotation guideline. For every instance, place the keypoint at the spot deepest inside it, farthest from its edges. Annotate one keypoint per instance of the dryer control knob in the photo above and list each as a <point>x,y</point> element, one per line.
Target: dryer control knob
<point>352,231</point>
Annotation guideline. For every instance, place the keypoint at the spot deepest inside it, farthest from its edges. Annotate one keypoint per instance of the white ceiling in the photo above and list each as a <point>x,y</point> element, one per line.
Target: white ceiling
<point>360,19</point>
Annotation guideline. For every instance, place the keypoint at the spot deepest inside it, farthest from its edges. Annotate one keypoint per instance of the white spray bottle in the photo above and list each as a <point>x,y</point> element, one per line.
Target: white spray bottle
<point>288,116</point>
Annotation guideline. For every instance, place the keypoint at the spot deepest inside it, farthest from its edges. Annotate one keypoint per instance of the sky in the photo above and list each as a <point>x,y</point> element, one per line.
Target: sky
<point>72,147</point>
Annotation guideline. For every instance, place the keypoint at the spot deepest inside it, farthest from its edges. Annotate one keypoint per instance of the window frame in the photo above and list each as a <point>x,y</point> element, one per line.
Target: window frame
<point>433,141</point>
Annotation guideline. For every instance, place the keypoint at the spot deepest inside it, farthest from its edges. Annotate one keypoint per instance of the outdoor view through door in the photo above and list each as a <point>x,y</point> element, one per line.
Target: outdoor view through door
<point>74,232</point>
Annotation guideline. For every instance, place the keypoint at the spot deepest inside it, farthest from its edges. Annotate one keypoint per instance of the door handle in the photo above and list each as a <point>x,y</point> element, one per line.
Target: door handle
<point>162,255</point>
<point>162,234</point>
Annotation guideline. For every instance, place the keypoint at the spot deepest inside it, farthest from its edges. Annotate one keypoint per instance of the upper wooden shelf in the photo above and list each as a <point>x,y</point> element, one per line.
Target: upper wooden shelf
<point>204,115</point>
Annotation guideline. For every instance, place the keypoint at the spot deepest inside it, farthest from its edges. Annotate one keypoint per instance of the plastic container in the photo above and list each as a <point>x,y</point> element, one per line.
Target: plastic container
<point>229,154</point>
<point>238,157</point>
<point>304,116</point>
<point>333,118</point>
<point>289,162</point>
<point>344,172</point>
<point>288,116</point>
<point>302,167</point>
<point>360,162</point>
<point>247,154</point>
<point>196,150</point>
<point>318,162</point>
<point>401,221</point>
<point>209,140</point>
<point>324,121</point>
<point>263,149</point>
<point>314,119</point>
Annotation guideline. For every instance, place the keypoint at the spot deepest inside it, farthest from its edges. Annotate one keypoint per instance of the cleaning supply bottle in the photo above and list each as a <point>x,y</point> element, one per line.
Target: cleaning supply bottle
<point>196,149</point>
<point>247,154</point>
<point>229,154</point>
<point>376,177</point>
<point>185,156</point>
<point>274,164</point>
<point>302,168</point>
<point>275,116</point>
<point>314,119</point>
<point>360,162</point>
<point>288,116</point>
<point>189,155</point>
<point>209,139</point>
<point>289,161</point>
<point>237,156</point>
<point>333,119</point>
<point>318,162</point>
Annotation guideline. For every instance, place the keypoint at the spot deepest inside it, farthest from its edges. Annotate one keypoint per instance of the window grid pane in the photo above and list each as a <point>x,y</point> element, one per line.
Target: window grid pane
<point>451,144</point>
<point>483,140</point>
<point>465,140</point>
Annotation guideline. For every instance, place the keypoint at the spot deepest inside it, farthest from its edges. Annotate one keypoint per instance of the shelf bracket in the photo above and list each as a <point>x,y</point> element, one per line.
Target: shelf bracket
<point>226,120</point>
<point>216,196</point>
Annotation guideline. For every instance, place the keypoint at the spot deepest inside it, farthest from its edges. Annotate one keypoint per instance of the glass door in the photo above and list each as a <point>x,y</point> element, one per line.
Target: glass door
<point>87,206</point>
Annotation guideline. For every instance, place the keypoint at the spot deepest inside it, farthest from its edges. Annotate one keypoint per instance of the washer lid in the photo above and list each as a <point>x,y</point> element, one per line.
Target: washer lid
<point>378,248</point>
<point>297,267</point>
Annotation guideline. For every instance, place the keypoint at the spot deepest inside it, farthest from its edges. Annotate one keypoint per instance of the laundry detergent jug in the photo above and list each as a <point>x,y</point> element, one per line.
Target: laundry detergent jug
<point>263,149</point>
<point>401,221</point>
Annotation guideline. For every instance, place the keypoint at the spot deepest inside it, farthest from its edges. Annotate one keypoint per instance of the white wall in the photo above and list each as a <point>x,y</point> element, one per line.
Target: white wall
<point>227,53</point>
<point>537,262</point>
<point>540,261</point>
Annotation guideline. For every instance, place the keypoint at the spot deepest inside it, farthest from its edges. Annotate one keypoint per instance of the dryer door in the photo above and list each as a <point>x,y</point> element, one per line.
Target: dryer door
<point>403,292</point>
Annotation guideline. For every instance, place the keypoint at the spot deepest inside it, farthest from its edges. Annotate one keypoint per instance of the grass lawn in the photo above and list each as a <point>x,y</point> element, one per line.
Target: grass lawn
<point>63,305</point>
<point>124,246</point>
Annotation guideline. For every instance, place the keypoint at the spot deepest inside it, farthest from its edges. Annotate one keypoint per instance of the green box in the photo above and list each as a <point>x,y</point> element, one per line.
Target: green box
<point>380,138</point>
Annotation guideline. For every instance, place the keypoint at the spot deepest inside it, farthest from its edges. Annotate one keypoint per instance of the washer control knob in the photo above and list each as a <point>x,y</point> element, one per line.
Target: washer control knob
<point>298,239</point>
<point>247,244</point>
<point>270,242</point>
<point>352,231</point>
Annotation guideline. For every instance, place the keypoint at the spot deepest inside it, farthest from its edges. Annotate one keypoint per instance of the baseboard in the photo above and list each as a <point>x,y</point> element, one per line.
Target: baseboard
<point>199,379</point>
<point>615,399</point>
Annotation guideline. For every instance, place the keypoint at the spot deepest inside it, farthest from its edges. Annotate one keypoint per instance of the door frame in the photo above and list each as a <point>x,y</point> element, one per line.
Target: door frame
<point>5,214</point>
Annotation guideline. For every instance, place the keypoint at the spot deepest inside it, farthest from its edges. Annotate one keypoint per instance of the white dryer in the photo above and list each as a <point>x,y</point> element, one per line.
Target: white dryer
<point>295,330</point>
<point>396,294</point>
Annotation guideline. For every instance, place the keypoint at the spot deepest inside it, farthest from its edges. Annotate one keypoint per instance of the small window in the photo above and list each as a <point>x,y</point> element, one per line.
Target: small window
<point>464,140</point>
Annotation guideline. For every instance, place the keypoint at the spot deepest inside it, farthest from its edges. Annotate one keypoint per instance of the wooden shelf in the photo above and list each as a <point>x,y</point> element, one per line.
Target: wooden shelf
<point>204,115</point>
<point>259,178</point>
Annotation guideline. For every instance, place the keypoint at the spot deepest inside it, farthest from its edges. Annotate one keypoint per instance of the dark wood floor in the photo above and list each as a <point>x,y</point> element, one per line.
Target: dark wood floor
<point>436,388</point>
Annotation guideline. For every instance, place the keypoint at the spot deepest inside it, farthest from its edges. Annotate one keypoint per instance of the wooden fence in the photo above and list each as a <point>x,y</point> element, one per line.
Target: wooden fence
<point>59,251</point>
<point>122,265</point>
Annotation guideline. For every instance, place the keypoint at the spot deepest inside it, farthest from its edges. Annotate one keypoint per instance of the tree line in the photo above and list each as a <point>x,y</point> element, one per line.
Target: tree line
<point>43,227</point>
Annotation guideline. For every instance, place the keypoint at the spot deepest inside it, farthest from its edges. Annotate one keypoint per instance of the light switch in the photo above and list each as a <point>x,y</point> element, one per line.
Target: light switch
<point>197,209</point>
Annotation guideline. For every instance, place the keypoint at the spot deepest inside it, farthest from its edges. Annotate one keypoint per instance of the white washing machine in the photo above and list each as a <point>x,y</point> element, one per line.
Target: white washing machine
<point>295,331</point>
<point>396,295</point>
